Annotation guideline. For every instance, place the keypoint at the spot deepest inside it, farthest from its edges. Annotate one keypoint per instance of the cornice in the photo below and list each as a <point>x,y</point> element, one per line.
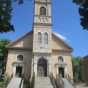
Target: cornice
<point>42,24</point>
<point>19,48</point>
<point>43,16</point>
<point>39,2</point>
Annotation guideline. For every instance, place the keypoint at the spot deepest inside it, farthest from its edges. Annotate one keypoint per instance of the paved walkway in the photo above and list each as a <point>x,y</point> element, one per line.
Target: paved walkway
<point>81,85</point>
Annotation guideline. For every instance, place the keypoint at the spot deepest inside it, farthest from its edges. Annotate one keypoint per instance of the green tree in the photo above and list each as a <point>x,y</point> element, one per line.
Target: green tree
<point>6,14</point>
<point>77,69</point>
<point>3,53</point>
<point>83,12</point>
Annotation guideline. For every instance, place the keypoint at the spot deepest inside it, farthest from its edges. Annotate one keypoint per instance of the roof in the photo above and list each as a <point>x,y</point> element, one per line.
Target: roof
<point>57,35</point>
<point>11,43</point>
<point>62,38</point>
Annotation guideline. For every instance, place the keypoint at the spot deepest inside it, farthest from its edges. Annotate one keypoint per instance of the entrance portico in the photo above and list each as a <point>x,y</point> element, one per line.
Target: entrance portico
<point>41,66</point>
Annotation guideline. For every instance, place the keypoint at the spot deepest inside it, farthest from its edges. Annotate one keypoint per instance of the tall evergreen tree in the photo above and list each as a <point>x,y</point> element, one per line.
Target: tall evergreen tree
<point>83,12</point>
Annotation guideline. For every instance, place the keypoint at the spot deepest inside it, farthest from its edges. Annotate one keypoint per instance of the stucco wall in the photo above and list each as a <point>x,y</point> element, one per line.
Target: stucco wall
<point>67,59</point>
<point>12,57</point>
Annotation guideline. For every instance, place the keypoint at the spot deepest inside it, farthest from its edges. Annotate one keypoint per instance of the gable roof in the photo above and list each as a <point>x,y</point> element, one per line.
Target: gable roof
<point>60,36</point>
<point>19,39</point>
<point>62,39</point>
<point>56,35</point>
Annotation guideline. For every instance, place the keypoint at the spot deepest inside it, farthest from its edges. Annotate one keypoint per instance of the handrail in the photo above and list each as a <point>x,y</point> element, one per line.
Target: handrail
<point>69,79</point>
<point>72,83</point>
<point>21,83</point>
<point>32,81</point>
<point>52,81</point>
<point>59,82</point>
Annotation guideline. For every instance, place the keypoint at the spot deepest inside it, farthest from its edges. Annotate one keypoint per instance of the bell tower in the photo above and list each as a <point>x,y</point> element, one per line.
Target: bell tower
<point>42,26</point>
<point>42,37</point>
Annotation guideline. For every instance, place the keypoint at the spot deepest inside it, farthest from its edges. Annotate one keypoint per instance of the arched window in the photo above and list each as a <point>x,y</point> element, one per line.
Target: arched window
<point>20,57</point>
<point>39,37</point>
<point>46,38</point>
<point>60,59</point>
<point>42,11</point>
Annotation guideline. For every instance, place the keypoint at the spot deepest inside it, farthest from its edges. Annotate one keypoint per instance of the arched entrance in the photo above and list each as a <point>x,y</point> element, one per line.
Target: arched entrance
<point>61,71</point>
<point>17,69</point>
<point>61,66</point>
<point>42,67</point>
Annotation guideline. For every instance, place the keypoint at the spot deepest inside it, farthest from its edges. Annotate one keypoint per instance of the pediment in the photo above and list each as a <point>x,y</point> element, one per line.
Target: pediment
<point>59,44</point>
<point>25,41</point>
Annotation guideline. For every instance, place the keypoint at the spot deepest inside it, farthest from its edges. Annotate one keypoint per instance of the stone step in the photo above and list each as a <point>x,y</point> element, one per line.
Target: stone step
<point>43,82</point>
<point>14,83</point>
<point>67,84</point>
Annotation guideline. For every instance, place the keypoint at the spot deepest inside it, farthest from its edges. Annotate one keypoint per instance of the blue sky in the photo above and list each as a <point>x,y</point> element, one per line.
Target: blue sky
<point>65,21</point>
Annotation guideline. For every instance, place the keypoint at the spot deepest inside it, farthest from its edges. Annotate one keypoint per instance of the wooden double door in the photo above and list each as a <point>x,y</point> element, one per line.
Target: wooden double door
<point>42,67</point>
<point>19,71</point>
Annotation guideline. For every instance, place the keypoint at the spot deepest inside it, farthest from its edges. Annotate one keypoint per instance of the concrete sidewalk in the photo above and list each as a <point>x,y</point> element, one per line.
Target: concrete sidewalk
<point>81,85</point>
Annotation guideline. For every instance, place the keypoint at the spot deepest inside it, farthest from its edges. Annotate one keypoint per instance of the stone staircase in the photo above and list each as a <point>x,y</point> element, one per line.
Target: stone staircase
<point>15,83</point>
<point>42,82</point>
<point>67,84</point>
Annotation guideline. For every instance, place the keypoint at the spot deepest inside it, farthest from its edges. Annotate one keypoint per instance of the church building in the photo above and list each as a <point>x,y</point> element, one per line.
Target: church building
<point>40,51</point>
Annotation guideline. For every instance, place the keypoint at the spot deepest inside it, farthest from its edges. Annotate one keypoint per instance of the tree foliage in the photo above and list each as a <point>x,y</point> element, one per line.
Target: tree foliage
<point>6,14</point>
<point>3,53</point>
<point>77,69</point>
<point>83,12</point>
